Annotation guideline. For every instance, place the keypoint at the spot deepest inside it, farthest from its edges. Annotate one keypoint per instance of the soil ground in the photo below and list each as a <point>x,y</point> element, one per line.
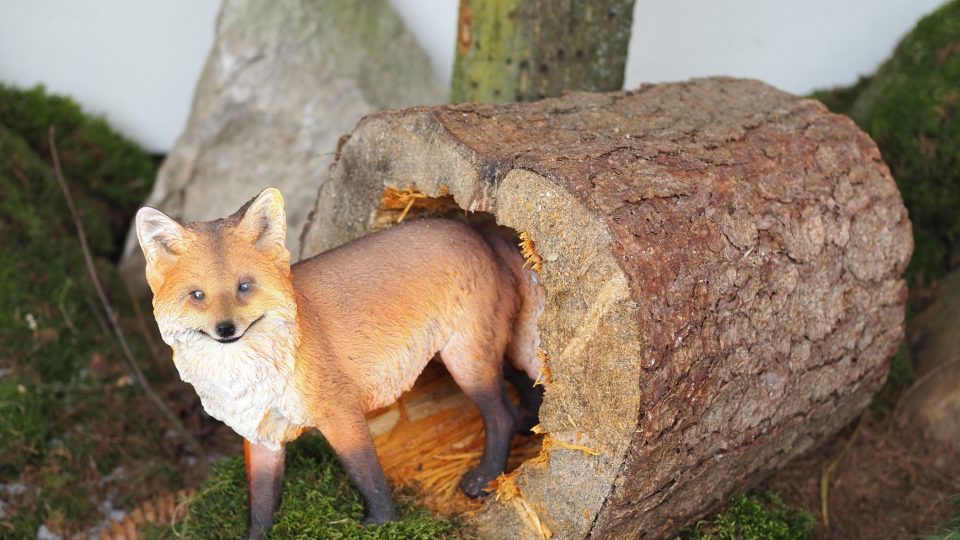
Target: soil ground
<point>891,481</point>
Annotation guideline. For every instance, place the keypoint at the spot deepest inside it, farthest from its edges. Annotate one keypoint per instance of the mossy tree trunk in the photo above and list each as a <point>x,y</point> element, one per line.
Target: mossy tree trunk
<point>523,50</point>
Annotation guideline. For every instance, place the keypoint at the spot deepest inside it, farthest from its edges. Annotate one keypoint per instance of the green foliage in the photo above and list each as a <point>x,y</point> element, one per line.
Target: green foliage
<point>23,423</point>
<point>318,502</point>
<point>754,517</point>
<point>950,531</point>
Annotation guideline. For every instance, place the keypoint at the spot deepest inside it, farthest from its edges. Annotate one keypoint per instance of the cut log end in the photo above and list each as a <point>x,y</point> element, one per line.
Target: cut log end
<point>722,264</point>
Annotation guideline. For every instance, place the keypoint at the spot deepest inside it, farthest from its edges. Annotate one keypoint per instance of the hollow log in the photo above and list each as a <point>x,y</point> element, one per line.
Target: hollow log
<point>722,263</point>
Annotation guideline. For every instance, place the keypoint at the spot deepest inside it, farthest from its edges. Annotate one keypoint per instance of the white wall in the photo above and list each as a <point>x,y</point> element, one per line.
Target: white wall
<point>796,45</point>
<point>134,61</point>
<point>137,61</point>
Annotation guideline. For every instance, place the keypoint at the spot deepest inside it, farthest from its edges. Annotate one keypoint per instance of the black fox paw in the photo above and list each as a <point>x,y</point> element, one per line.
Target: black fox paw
<point>474,483</point>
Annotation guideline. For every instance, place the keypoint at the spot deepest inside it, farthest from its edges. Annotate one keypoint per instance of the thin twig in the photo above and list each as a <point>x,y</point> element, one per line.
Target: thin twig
<point>131,363</point>
<point>924,379</point>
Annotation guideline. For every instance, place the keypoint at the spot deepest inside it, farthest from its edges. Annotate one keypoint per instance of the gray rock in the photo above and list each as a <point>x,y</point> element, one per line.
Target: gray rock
<point>284,80</point>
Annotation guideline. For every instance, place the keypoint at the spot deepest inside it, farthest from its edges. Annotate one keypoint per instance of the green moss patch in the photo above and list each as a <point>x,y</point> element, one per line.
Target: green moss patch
<point>109,175</point>
<point>754,517</point>
<point>49,318</point>
<point>318,502</point>
<point>23,423</point>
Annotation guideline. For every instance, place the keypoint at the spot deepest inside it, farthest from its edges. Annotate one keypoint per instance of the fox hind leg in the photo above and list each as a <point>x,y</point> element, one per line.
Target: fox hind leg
<point>530,397</point>
<point>477,371</point>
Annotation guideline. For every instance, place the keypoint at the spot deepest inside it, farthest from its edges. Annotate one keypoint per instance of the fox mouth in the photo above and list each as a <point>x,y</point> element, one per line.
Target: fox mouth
<point>235,338</point>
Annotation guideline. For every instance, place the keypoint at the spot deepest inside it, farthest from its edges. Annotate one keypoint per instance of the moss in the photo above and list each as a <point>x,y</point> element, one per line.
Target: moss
<point>109,175</point>
<point>57,433</point>
<point>46,319</point>
<point>841,98</point>
<point>318,502</point>
<point>63,504</point>
<point>20,525</point>
<point>23,423</point>
<point>754,517</point>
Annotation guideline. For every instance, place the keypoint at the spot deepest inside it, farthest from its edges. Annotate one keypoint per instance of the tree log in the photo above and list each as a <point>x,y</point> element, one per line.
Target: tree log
<point>522,50</point>
<point>723,270</point>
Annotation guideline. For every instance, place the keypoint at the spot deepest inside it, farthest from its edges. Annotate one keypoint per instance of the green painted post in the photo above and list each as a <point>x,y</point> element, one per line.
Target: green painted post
<point>523,50</point>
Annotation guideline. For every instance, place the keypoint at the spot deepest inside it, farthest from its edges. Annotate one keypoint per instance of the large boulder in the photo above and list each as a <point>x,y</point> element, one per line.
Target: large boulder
<point>284,81</point>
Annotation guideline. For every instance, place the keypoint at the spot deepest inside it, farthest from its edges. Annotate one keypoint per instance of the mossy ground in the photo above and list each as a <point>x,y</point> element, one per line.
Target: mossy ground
<point>67,415</point>
<point>318,502</point>
<point>754,517</point>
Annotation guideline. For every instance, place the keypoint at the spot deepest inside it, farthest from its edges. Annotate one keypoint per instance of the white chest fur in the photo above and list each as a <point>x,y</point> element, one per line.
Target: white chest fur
<point>247,382</point>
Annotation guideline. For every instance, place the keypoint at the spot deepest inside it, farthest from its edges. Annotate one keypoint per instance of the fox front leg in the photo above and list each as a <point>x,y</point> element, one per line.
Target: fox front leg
<point>264,478</point>
<point>350,438</point>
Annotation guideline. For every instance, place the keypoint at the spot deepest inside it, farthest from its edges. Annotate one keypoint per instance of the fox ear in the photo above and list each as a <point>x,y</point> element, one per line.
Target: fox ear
<point>265,223</point>
<point>162,240</point>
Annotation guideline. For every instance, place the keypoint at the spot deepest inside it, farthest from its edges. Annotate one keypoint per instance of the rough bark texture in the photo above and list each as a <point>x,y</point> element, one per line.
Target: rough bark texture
<point>522,50</point>
<point>283,81</point>
<point>722,263</point>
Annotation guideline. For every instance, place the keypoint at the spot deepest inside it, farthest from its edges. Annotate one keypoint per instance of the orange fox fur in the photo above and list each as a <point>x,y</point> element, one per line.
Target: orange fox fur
<point>273,350</point>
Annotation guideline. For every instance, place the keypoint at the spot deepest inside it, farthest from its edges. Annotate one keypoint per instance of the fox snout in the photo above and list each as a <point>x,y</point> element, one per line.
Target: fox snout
<point>226,329</point>
<point>229,330</point>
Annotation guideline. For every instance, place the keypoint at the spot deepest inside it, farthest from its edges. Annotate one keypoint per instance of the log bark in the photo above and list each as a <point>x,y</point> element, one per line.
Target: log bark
<point>723,270</point>
<point>522,50</point>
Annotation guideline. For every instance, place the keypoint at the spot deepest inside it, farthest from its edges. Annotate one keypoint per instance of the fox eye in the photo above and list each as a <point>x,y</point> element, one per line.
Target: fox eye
<point>245,286</point>
<point>197,295</point>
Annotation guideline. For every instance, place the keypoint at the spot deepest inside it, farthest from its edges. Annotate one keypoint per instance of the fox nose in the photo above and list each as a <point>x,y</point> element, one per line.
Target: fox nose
<point>226,329</point>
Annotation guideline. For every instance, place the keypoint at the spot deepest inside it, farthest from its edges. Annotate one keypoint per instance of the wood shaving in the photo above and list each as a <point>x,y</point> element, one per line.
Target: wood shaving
<point>529,250</point>
<point>430,455</point>
<point>167,509</point>
<point>396,204</point>
<point>508,491</point>
<point>544,375</point>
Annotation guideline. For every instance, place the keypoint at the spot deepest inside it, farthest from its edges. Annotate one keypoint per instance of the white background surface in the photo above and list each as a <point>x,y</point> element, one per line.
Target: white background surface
<point>137,62</point>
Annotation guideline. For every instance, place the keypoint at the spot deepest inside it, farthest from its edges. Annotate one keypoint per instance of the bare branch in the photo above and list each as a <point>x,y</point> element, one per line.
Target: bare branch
<point>131,363</point>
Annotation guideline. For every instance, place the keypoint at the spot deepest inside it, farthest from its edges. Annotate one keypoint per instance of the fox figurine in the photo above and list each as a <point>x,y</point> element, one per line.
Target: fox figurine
<point>274,350</point>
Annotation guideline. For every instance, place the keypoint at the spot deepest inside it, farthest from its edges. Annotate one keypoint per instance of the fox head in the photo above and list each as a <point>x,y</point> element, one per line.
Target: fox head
<point>218,280</point>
